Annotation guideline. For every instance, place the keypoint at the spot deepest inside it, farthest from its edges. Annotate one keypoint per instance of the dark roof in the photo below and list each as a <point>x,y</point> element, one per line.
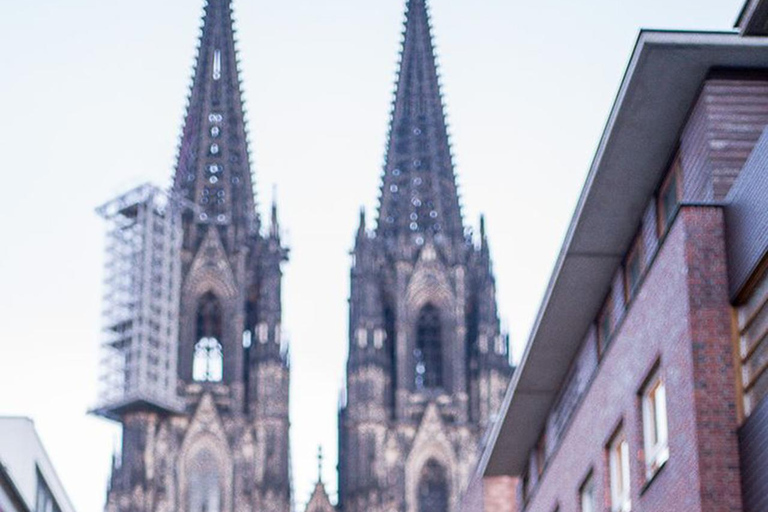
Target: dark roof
<point>418,191</point>
<point>215,117</point>
<point>662,81</point>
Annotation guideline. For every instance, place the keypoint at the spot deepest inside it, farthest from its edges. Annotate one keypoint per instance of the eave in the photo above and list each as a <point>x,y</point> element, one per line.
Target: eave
<point>661,83</point>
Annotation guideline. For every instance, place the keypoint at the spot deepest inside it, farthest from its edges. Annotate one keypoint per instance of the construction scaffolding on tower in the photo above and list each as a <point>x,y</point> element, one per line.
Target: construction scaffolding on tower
<point>140,315</point>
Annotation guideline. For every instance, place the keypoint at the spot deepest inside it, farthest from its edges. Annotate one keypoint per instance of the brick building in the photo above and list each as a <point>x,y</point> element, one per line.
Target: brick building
<point>644,380</point>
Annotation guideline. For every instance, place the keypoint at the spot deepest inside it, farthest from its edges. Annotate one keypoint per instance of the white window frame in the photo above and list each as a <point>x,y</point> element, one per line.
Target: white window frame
<point>655,425</point>
<point>587,500</point>
<point>618,455</point>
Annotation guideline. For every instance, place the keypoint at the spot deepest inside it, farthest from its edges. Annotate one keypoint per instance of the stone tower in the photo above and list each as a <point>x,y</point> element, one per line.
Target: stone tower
<point>223,447</point>
<point>428,364</point>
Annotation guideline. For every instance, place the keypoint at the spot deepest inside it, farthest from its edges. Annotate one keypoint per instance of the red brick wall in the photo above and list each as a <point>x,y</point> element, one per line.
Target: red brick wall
<point>714,375</point>
<point>680,317</point>
<point>500,494</point>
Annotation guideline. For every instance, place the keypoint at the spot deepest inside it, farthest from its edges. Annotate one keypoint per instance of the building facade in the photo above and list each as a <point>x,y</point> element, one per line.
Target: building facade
<point>28,480</point>
<point>643,386</point>
<point>428,363</point>
<point>197,370</point>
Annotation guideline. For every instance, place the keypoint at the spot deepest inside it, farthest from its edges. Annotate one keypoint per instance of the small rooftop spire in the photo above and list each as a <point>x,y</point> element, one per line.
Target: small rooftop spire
<point>319,463</point>
<point>274,223</point>
<point>362,224</point>
<point>419,193</point>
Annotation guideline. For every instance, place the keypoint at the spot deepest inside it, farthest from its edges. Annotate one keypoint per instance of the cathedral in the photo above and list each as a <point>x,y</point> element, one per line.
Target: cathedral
<point>194,366</point>
<point>428,365</point>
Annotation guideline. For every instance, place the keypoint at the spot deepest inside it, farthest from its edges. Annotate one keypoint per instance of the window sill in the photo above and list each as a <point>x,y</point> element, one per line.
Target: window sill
<point>652,478</point>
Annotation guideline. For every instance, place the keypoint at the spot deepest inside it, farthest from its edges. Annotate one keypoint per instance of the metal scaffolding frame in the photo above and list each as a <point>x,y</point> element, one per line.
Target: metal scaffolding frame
<point>142,282</point>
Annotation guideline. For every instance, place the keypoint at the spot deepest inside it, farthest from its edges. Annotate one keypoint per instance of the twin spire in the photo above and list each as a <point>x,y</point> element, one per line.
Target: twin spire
<point>213,169</point>
<point>419,195</point>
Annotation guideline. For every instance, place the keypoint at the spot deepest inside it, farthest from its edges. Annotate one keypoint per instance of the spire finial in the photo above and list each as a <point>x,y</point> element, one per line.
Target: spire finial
<point>274,228</point>
<point>319,463</point>
<point>361,226</point>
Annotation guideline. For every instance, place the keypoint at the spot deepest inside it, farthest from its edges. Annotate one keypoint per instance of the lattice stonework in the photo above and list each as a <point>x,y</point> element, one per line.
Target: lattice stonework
<point>140,304</point>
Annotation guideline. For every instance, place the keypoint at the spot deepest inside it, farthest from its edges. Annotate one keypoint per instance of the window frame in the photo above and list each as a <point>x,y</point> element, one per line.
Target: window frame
<point>635,255</point>
<point>606,314</point>
<point>619,473</point>
<point>587,491</point>
<point>664,218</point>
<point>655,424</point>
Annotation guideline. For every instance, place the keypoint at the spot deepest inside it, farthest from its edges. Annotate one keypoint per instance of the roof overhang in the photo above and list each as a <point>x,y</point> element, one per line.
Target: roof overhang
<point>753,18</point>
<point>661,84</point>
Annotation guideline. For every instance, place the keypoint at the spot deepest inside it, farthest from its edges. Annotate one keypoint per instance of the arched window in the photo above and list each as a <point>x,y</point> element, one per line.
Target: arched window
<point>433,488</point>
<point>203,483</point>
<point>429,349</point>
<point>208,362</point>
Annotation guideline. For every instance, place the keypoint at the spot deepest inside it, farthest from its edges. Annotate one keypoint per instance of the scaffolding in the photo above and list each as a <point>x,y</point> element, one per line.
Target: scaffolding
<point>140,313</point>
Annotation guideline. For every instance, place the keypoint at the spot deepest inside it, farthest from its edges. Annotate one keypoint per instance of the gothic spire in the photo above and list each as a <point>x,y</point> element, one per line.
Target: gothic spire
<point>213,169</point>
<point>418,194</point>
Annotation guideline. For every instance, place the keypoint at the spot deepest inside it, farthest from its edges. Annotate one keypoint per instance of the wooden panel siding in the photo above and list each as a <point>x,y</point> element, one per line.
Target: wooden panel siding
<point>753,441</point>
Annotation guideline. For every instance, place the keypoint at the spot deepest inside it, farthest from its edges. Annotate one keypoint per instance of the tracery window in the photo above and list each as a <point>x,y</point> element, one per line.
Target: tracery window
<point>204,486</point>
<point>208,361</point>
<point>429,350</point>
<point>433,488</point>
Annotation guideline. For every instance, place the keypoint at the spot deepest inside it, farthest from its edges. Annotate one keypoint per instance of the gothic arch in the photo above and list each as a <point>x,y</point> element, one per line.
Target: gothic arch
<point>428,352</point>
<point>433,491</point>
<point>431,444</point>
<point>204,451</point>
<point>430,289</point>
<point>208,356</point>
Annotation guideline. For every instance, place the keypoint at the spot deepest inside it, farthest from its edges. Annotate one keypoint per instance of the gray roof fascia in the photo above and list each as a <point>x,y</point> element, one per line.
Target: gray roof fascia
<point>662,81</point>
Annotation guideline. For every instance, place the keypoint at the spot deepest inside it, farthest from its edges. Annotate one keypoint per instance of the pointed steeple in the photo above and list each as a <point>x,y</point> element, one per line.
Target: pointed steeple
<point>213,169</point>
<point>418,194</point>
<point>274,222</point>
<point>361,230</point>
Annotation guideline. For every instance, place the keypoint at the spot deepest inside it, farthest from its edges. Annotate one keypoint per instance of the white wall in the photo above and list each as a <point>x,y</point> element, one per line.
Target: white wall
<point>22,453</point>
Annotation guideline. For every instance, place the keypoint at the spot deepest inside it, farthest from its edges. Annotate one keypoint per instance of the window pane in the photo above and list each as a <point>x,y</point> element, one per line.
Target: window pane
<point>588,496</point>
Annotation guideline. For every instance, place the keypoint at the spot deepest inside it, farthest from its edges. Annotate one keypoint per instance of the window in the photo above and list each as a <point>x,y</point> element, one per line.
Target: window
<point>429,350</point>
<point>208,359</point>
<point>379,335</point>
<point>216,64</point>
<point>655,426</point>
<point>525,485</point>
<point>207,365</point>
<point>618,461</point>
<point>44,501</point>
<point>541,454</point>
<point>605,324</point>
<point>633,268</point>
<point>362,338</point>
<point>668,198</point>
<point>433,488</point>
<point>587,495</point>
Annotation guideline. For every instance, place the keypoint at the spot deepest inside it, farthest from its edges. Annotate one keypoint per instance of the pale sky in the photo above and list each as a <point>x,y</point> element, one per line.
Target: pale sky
<point>93,94</point>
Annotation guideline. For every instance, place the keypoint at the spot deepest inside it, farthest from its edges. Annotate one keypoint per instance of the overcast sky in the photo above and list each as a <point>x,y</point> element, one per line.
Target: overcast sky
<point>92,95</point>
